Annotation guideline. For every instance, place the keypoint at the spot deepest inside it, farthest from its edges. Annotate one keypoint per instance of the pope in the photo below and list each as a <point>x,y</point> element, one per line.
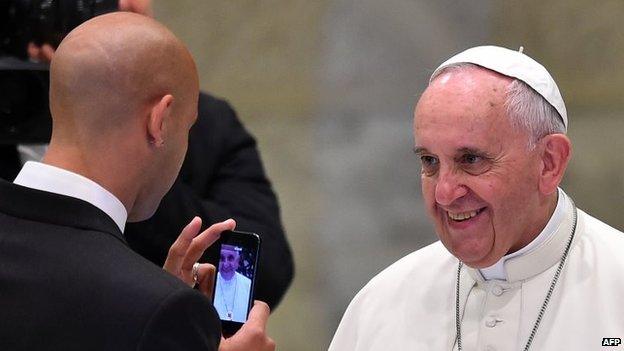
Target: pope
<point>518,266</point>
<point>233,288</point>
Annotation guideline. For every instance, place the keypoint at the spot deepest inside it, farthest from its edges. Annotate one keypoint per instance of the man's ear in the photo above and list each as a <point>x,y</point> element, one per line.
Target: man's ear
<point>157,120</point>
<point>556,153</point>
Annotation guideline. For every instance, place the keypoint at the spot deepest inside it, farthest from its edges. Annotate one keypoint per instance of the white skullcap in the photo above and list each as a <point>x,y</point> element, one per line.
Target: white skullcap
<point>517,65</point>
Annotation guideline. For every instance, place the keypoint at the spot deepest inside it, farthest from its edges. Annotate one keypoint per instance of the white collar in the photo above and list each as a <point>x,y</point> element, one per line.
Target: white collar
<point>41,176</point>
<point>231,281</point>
<point>497,270</point>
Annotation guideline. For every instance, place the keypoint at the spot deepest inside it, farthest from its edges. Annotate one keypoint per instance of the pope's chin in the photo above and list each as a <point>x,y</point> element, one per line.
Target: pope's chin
<point>475,255</point>
<point>473,245</point>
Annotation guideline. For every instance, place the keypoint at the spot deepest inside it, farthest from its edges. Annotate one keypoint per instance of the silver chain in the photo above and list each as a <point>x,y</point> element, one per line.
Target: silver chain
<point>233,299</point>
<point>544,304</point>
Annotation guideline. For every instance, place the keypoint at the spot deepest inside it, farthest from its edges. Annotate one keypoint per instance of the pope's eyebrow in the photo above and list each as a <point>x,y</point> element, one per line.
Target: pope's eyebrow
<point>418,150</point>
<point>473,151</point>
<point>470,150</point>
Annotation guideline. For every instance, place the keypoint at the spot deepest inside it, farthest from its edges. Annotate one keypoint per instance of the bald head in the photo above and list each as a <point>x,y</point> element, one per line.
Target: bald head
<point>123,96</point>
<point>110,68</point>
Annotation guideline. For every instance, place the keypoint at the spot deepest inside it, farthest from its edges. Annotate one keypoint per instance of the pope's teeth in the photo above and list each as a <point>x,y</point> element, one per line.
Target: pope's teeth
<point>462,215</point>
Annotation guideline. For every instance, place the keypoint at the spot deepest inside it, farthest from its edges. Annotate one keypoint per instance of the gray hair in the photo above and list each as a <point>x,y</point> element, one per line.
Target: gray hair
<point>526,108</point>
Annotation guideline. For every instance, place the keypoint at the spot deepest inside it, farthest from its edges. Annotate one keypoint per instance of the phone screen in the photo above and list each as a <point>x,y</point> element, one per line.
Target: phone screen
<point>238,263</point>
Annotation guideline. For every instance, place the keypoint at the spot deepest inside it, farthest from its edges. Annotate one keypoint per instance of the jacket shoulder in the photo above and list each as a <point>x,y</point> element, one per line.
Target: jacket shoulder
<point>607,241</point>
<point>594,225</point>
<point>412,291</point>
<point>411,279</point>
<point>420,264</point>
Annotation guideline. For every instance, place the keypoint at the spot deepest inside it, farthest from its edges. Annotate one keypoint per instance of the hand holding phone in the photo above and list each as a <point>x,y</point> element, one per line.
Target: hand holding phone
<point>252,336</point>
<point>188,248</point>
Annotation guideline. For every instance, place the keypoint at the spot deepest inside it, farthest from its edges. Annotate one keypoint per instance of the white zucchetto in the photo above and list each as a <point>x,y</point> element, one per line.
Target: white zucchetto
<point>517,65</point>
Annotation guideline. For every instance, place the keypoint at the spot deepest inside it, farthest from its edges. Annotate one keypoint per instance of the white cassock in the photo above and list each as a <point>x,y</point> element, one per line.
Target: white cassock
<point>411,305</point>
<point>232,297</point>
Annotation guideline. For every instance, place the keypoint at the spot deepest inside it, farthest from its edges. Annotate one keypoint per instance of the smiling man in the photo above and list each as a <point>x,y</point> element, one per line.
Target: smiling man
<point>518,266</point>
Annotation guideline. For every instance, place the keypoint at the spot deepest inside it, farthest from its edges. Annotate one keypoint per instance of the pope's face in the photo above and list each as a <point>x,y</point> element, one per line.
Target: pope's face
<point>230,259</point>
<point>479,180</point>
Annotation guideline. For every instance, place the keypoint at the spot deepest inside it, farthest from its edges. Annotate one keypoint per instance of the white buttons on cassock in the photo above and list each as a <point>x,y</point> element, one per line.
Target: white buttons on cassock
<point>492,321</point>
<point>496,303</point>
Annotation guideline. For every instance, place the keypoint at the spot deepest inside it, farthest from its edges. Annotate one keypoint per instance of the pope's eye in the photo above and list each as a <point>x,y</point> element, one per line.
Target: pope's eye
<point>471,159</point>
<point>429,164</point>
<point>428,160</point>
<point>474,164</point>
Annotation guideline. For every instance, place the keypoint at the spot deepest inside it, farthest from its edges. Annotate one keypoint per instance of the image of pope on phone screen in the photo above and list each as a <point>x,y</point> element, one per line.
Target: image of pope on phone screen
<point>233,287</point>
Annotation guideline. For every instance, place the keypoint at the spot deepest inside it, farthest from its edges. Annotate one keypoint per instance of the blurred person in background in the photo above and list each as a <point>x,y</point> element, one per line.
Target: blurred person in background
<point>222,175</point>
<point>518,266</point>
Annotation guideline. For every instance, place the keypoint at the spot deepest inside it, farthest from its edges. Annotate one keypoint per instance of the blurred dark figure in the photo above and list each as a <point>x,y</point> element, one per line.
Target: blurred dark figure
<point>222,175</point>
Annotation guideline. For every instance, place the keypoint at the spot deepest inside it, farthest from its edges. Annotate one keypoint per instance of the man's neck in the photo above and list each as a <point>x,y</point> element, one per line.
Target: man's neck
<point>98,171</point>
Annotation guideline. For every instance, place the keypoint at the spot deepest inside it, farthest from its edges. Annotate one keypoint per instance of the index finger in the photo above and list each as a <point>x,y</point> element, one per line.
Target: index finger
<point>177,251</point>
<point>200,243</point>
<point>259,315</point>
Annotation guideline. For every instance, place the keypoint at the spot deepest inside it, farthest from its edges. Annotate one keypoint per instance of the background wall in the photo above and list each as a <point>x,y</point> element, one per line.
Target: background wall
<point>328,88</point>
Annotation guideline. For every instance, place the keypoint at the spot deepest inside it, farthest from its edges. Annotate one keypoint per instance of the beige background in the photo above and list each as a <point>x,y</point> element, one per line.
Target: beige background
<point>327,87</point>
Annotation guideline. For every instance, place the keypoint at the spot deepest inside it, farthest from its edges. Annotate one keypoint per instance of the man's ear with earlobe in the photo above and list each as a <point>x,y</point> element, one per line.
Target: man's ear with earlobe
<point>556,153</point>
<point>159,117</point>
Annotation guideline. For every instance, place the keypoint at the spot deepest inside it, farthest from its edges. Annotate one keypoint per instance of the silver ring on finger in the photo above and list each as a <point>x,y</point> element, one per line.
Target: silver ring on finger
<point>195,272</point>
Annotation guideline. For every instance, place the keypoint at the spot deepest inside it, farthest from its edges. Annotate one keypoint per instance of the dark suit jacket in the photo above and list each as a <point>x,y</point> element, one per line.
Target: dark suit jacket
<point>69,281</point>
<point>9,162</point>
<point>222,177</point>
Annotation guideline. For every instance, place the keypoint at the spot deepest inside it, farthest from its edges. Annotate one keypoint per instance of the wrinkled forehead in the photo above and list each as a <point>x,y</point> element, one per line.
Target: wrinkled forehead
<point>464,92</point>
<point>466,107</point>
<point>470,79</point>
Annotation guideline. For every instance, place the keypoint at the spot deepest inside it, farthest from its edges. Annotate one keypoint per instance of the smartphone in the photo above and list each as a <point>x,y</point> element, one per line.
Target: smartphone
<point>236,275</point>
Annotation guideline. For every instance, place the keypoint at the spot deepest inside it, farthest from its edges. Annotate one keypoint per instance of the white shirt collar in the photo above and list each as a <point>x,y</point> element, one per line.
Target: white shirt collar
<point>497,270</point>
<point>41,176</point>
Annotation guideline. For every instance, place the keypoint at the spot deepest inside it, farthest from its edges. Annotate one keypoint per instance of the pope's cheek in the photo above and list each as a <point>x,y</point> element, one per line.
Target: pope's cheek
<point>433,211</point>
<point>428,191</point>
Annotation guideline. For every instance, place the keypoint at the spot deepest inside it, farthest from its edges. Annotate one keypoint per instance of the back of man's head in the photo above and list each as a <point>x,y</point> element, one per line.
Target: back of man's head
<point>123,94</point>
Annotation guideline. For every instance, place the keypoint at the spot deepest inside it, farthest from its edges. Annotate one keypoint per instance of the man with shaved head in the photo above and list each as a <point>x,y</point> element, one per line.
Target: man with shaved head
<point>221,177</point>
<point>518,266</point>
<point>123,97</point>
